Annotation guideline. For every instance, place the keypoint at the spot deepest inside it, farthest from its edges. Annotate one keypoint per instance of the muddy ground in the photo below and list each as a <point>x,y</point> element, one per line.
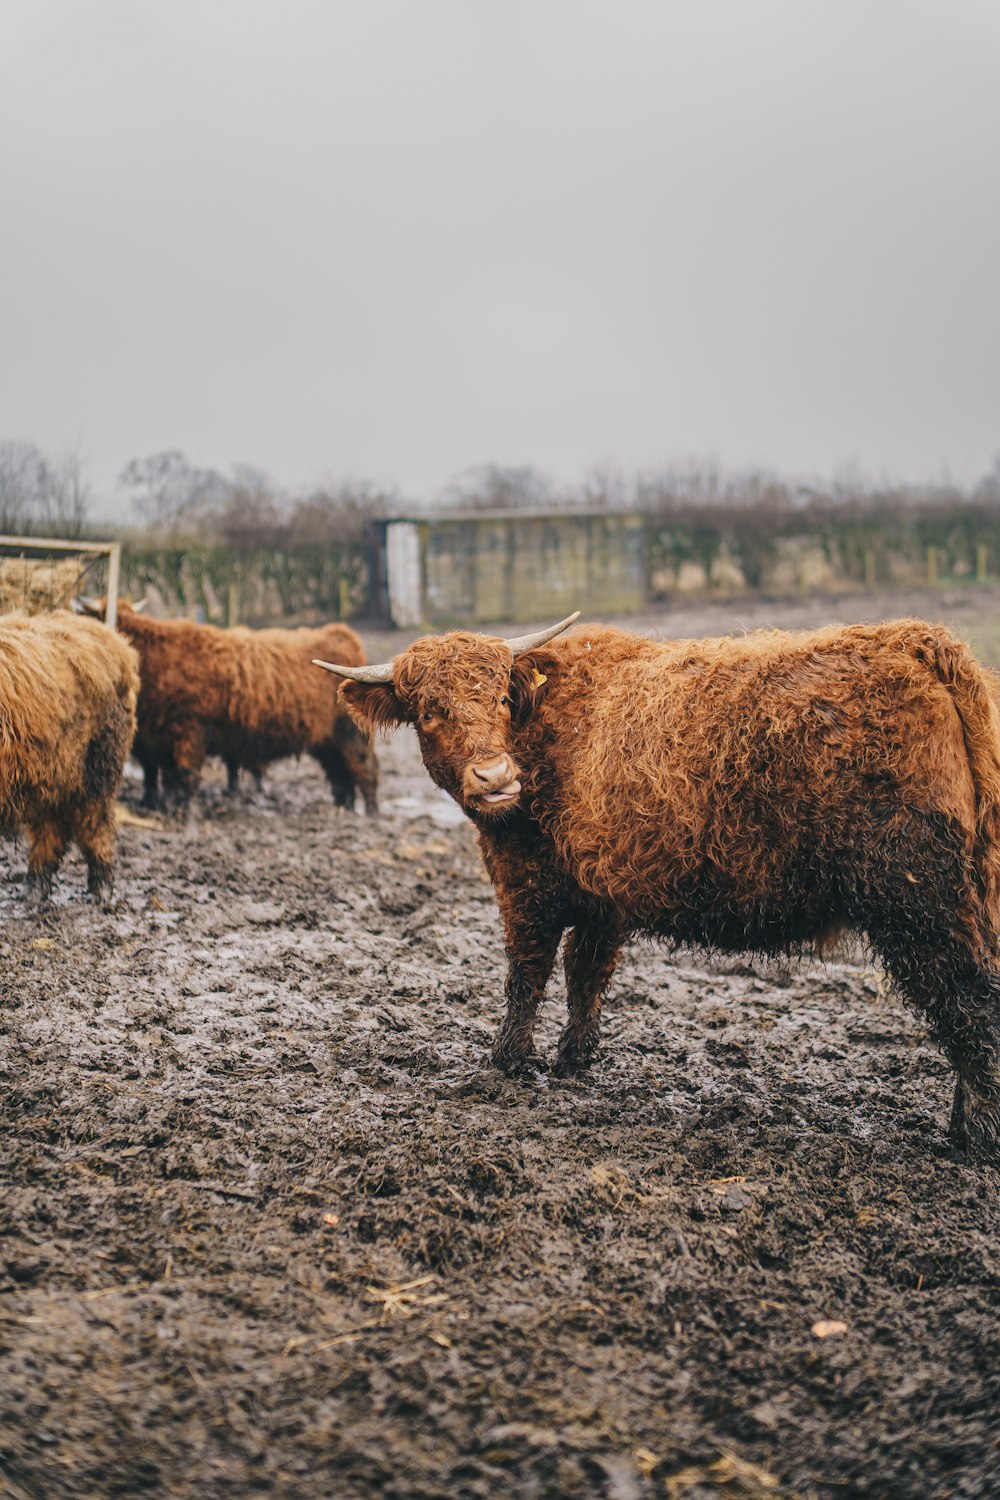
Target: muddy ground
<point>270,1227</point>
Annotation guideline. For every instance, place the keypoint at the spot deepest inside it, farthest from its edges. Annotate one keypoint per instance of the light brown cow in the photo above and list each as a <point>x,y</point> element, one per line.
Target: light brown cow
<point>68,691</point>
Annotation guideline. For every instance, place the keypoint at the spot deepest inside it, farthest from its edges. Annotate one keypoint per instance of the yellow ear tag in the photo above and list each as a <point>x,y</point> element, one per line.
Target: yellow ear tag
<point>537,678</point>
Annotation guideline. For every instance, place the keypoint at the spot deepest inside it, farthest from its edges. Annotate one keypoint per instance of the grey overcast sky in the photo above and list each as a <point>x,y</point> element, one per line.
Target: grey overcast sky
<point>395,238</point>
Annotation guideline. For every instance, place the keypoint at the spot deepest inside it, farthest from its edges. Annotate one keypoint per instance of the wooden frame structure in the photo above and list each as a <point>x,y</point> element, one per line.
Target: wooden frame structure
<point>21,546</point>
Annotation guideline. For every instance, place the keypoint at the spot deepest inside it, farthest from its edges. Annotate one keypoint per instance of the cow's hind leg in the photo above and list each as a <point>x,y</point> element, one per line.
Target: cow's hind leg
<point>150,780</point>
<point>47,840</point>
<point>182,778</point>
<point>338,775</point>
<point>959,990</point>
<point>929,925</point>
<point>590,954</point>
<point>94,831</point>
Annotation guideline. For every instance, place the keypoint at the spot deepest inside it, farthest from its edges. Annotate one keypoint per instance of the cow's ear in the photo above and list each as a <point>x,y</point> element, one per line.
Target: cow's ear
<point>527,685</point>
<point>375,705</point>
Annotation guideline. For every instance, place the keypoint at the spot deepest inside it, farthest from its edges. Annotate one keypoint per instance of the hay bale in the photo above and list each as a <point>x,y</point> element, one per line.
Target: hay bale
<point>38,584</point>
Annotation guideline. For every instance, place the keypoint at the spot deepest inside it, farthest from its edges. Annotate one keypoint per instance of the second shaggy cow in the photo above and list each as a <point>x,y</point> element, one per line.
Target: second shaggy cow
<point>248,696</point>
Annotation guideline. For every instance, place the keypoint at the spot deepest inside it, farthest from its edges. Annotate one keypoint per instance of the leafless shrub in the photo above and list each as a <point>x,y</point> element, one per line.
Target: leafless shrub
<point>499,487</point>
<point>170,494</point>
<point>39,494</point>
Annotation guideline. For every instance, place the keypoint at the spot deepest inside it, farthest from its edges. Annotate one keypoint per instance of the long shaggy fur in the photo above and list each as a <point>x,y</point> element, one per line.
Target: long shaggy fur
<point>748,794</point>
<point>251,697</point>
<point>68,690</point>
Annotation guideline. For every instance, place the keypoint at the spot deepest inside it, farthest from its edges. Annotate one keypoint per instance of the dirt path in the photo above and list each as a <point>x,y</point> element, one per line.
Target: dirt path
<point>269,1227</point>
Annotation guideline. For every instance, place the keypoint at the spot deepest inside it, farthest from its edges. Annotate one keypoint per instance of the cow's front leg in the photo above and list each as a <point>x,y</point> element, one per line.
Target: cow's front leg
<point>535,911</point>
<point>532,944</point>
<point>527,975</point>
<point>589,959</point>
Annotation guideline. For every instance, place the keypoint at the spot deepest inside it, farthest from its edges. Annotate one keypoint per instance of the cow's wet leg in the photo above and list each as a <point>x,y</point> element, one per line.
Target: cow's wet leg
<point>150,782</point>
<point>354,749</point>
<point>183,777</point>
<point>94,831</point>
<point>926,918</point>
<point>530,958</point>
<point>232,777</point>
<point>958,989</point>
<point>590,954</point>
<point>47,841</point>
<point>338,775</point>
<point>367,781</point>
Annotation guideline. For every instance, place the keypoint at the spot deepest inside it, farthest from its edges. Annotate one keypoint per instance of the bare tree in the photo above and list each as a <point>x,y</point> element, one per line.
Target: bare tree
<point>499,487</point>
<point>606,487</point>
<point>20,464</point>
<point>170,493</point>
<point>250,511</point>
<point>67,494</point>
<point>988,488</point>
<point>337,514</point>
<point>42,494</point>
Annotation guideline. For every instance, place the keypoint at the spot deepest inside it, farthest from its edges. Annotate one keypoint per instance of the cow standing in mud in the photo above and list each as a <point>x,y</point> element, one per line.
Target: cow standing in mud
<point>751,794</point>
<point>249,696</point>
<point>68,690</point>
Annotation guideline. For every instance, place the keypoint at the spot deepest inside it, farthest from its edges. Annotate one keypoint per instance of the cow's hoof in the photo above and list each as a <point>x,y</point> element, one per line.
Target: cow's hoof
<point>975,1123</point>
<point>527,1067</point>
<point>570,1064</point>
<point>576,1052</point>
<point>36,889</point>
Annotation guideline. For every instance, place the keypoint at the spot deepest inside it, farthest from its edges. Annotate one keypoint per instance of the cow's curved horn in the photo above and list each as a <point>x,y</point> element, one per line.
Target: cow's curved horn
<point>529,642</point>
<point>381,673</point>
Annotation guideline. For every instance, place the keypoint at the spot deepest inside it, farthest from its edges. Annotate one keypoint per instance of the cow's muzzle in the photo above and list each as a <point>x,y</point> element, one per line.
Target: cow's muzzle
<point>491,783</point>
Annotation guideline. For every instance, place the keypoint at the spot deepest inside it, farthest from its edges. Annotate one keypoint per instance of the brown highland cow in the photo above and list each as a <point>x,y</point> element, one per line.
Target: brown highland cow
<point>351,764</point>
<point>68,691</point>
<point>750,794</point>
<point>249,696</point>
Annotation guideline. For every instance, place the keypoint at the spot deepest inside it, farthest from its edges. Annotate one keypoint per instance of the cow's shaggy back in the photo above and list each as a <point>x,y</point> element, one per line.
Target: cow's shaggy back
<point>658,767</point>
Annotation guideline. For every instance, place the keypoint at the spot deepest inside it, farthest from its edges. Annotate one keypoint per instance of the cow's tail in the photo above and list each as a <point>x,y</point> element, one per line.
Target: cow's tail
<point>976,695</point>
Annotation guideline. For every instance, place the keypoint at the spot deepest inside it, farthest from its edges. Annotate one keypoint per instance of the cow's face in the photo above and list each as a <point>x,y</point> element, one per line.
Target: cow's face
<point>458,691</point>
<point>465,695</point>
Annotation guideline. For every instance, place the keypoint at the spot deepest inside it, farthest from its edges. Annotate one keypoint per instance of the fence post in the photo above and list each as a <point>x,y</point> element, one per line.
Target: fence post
<point>869,567</point>
<point>114,572</point>
<point>233,603</point>
<point>982,555</point>
<point>932,567</point>
<point>343,598</point>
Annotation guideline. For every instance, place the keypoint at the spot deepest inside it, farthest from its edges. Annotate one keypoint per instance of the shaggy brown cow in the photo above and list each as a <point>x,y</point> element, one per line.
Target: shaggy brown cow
<point>248,696</point>
<point>68,691</point>
<point>351,762</point>
<point>749,794</point>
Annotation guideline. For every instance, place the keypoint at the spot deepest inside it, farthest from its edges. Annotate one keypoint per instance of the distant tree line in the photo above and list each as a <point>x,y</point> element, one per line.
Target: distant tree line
<point>241,546</point>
